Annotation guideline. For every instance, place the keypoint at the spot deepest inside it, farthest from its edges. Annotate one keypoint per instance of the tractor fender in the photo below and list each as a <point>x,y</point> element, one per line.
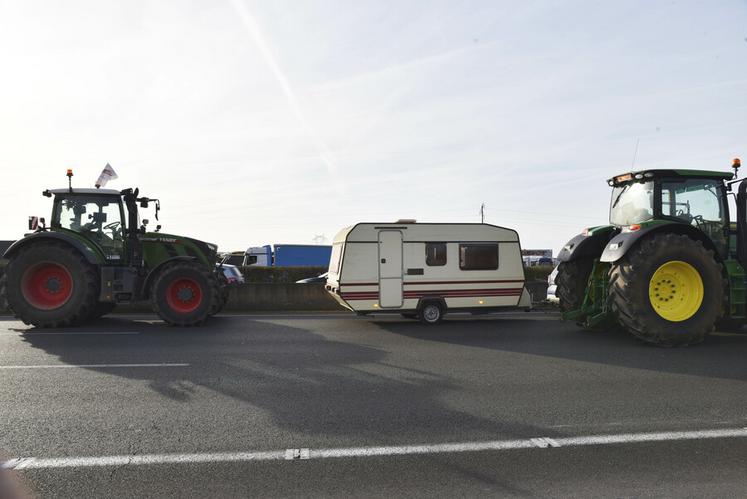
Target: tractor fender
<point>619,245</point>
<point>145,292</point>
<point>89,253</point>
<point>586,245</point>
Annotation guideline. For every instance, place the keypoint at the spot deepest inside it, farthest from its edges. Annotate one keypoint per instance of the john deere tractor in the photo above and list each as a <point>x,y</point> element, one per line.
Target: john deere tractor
<point>670,266</point>
<point>96,253</point>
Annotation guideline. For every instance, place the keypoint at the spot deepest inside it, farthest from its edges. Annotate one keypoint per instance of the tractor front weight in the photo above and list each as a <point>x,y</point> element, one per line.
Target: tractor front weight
<point>594,309</point>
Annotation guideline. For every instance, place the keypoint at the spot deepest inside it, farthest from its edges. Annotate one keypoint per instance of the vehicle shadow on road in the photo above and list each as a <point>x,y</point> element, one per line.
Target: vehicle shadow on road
<point>305,381</point>
<point>720,356</point>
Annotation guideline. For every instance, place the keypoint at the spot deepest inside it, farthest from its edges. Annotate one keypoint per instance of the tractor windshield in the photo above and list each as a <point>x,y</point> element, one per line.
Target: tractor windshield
<point>632,203</point>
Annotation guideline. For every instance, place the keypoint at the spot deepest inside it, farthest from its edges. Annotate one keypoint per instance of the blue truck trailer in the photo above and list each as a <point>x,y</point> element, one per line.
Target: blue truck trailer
<point>289,255</point>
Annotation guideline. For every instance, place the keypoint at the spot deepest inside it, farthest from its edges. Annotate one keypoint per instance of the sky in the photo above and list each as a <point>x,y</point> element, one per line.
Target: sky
<point>260,122</point>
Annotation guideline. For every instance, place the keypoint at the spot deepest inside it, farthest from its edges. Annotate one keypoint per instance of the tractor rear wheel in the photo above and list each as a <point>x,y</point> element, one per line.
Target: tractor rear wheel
<point>668,291</point>
<point>183,294</point>
<point>50,284</point>
<point>571,283</point>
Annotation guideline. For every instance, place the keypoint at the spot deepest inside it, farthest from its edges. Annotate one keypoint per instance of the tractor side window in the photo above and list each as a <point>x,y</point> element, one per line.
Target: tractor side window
<point>693,201</point>
<point>699,203</point>
<point>435,254</point>
<point>86,216</point>
<point>97,218</point>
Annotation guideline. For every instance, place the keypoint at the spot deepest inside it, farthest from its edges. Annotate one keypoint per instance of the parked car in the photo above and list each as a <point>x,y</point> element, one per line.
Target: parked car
<point>551,287</point>
<point>311,280</point>
<point>233,274</point>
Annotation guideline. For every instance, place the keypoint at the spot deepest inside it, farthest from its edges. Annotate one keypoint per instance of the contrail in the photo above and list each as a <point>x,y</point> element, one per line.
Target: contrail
<point>256,34</point>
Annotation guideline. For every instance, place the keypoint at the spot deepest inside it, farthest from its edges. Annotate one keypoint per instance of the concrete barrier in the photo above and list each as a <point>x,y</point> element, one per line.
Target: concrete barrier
<point>279,296</point>
<point>538,290</point>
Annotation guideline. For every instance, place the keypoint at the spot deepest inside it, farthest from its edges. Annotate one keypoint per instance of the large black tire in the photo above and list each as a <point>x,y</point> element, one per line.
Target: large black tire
<point>571,282</point>
<point>629,280</point>
<point>220,303</point>
<point>50,284</point>
<point>3,301</point>
<point>184,294</point>
<point>101,309</point>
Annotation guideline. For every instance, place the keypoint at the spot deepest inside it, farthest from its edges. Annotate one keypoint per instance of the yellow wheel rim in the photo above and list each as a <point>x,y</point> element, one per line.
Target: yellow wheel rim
<point>676,291</point>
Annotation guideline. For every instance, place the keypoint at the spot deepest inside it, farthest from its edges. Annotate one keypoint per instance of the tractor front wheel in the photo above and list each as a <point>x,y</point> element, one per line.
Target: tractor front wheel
<point>184,294</point>
<point>571,283</point>
<point>223,291</point>
<point>668,291</point>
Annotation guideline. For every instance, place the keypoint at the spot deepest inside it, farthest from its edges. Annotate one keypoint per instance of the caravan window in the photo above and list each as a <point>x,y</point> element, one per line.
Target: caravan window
<point>334,259</point>
<point>478,256</point>
<point>435,254</point>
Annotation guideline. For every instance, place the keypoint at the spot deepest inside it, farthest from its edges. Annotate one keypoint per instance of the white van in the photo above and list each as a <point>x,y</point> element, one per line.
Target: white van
<point>426,269</point>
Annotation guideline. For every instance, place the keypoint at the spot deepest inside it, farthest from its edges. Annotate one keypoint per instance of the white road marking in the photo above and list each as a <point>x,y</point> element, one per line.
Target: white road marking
<point>397,450</point>
<point>72,366</point>
<point>78,333</point>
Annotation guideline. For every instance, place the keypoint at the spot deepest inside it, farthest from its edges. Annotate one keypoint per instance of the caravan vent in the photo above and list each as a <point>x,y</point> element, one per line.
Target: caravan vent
<point>406,221</point>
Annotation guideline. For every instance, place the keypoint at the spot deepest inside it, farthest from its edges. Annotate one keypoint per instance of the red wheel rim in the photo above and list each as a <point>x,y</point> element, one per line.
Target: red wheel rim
<point>184,295</point>
<point>47,286</point>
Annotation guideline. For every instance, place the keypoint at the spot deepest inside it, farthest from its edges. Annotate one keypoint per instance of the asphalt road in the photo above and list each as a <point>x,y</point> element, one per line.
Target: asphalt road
<point>212,411</point>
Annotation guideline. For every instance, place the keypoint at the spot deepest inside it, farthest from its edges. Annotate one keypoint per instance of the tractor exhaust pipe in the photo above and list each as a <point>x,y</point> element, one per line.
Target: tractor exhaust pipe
<point>742,223</point>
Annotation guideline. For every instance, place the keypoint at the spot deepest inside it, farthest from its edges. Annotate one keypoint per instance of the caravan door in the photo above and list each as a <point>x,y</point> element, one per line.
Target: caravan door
<point>390,269</point>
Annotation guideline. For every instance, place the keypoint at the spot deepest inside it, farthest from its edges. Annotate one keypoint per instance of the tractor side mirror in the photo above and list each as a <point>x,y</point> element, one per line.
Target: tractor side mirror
<point>43,223</point>
<point>33,223</point>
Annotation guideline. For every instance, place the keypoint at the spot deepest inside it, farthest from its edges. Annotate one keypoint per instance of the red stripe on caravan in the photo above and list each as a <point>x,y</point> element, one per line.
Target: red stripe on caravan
<point>427,283</point>
<point>468,290</point>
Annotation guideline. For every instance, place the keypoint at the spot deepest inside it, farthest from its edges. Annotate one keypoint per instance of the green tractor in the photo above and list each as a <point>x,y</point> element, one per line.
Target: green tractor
<point>96,253</point>
<point>670,266</point>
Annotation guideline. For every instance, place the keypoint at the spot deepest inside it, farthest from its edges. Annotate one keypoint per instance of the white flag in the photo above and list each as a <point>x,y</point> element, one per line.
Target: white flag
<point>106,175</point>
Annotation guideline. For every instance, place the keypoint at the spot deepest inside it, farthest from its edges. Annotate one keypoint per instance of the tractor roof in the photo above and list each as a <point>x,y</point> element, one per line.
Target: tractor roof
<point>105,192</point>
<point>705,174</point>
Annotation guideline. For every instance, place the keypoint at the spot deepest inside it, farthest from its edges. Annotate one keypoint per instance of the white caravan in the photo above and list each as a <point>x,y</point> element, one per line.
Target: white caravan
<point>426,270</point>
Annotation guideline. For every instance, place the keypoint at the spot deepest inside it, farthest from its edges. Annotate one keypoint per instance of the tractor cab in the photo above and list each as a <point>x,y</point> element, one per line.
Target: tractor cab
<point>95,214</point>
<point>696,198</point>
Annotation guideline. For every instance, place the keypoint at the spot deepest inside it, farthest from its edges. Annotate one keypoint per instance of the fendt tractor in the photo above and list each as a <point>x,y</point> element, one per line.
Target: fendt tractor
<point>96,253</point>
<point>670,266</point>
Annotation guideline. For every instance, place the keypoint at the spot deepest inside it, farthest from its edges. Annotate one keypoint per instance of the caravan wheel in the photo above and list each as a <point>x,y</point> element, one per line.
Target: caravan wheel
<point>431,312</point>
